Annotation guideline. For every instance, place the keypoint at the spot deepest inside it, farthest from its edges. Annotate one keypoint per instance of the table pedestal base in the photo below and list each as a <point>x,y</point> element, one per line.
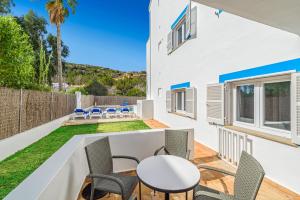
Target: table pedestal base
<point>167,196</point>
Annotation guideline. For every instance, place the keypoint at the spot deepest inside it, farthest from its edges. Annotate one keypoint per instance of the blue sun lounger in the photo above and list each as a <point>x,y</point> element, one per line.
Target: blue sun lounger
<point>95,112</point>
<point>80,113</point>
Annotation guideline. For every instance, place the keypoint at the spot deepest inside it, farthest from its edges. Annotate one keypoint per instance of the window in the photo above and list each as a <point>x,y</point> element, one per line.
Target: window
<point>179,33</point>
<point>180,101</point>
<point>183,29</point>
<point>277,105</point>
<point>263,104</point>
<point>159,92</point>
<point>245,103</point>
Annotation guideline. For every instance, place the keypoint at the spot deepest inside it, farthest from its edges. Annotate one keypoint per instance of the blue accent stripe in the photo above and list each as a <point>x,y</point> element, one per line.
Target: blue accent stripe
<point>179,17</point>
<point>181,85</point>
<point>263,70</point>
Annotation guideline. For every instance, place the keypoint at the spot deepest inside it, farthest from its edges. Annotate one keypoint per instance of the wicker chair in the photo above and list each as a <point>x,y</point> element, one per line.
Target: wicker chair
<point>100,161</point>
<point>176,143</point>
<point>248,179</point>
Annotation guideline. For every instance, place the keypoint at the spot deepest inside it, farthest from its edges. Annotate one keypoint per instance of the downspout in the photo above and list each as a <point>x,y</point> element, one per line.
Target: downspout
<point>150,57</point>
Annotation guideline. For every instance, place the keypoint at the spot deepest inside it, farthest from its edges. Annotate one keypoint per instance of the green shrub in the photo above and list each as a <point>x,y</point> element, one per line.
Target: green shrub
<point>96,88</point>
<point>16,55</point>
<point>136,92</point>
<point>77,89</point>
<point>40,87</point>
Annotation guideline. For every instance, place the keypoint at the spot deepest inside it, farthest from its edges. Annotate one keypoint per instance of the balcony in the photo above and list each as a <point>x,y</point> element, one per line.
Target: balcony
<point>64,174</point>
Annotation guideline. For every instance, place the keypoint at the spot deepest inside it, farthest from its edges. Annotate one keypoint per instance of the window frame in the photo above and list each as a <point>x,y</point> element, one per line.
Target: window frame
<point>180,111</point>
<point>259,101</point>
<point>236,105</point>
<point>262,103</point>
<point>181,23</point>
<point>159,92</point>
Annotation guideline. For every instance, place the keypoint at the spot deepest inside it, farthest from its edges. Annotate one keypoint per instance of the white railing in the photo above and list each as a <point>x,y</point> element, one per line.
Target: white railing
<point>232,143</point>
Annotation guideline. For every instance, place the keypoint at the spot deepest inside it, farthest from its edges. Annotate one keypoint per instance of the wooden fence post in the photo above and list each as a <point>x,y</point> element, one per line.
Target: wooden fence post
<point>20,110</point>
<point>67,107</point>
<point>51,107</point>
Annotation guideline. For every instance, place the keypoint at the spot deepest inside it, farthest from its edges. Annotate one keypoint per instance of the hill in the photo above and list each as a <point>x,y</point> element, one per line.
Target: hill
<point>117,82</point>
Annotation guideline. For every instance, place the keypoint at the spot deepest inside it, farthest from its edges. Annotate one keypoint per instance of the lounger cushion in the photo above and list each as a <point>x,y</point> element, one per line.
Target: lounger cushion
<point>96,110</point>
<point>125,110</point>
<point>79,110</point>
<point>111,110</point>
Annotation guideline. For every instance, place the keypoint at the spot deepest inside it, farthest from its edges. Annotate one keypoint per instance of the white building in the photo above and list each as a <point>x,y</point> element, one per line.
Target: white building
<point>229,69</point>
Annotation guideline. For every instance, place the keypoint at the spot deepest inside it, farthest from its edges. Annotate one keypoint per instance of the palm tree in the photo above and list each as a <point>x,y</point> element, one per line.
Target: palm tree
<point>58,11</point>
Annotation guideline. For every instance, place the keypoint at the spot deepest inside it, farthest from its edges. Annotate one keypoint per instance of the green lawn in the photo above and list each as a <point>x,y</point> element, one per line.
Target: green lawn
<point>17,167</point>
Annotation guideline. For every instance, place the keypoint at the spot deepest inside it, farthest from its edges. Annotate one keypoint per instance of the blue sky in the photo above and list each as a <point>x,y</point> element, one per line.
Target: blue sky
<point>109,33</point>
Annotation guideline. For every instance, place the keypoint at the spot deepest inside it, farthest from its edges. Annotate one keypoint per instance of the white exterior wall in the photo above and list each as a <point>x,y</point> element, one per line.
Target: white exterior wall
<point>223,45</point>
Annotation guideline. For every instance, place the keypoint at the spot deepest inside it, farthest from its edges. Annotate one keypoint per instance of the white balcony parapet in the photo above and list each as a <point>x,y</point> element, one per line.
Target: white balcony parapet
<point>62,175</point>
<point>232,143</point>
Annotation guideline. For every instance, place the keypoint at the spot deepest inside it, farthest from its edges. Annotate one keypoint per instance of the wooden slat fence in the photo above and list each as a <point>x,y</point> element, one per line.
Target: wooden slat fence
<point>9,112</point>
<point>21,110</point>
<point>87,101</point>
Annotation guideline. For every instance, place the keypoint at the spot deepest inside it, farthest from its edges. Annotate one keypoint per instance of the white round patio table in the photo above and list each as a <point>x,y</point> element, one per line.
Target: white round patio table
<point>168,174</point>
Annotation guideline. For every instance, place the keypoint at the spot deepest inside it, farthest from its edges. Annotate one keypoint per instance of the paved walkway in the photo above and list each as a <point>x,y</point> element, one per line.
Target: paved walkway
<point>155,124</point>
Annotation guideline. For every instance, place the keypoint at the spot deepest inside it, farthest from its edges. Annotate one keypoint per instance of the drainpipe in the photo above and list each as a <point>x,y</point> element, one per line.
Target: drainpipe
<point>150,57</point>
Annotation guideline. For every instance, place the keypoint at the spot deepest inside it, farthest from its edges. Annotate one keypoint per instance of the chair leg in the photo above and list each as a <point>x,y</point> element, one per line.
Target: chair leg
<point>140,190</point>
<point>186,195</point>
<point>92,192</point>
<point>193,197</point>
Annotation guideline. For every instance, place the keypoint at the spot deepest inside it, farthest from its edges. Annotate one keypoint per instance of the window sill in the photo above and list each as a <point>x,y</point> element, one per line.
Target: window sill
<point>267,136</point>
<point>178,46</point>
<point>181,115</point>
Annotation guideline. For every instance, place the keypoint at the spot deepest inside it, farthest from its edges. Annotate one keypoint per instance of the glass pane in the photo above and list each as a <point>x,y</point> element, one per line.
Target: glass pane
<point>245,103</point>
<point>277,105</point>
<point>184,98</point>
<point>179,35</point>
<point>179,100</point>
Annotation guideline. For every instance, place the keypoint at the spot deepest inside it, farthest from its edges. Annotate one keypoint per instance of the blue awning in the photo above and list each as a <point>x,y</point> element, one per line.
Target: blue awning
<point>290,65</point>
<point>180,86</point>
<point>179,18</point>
